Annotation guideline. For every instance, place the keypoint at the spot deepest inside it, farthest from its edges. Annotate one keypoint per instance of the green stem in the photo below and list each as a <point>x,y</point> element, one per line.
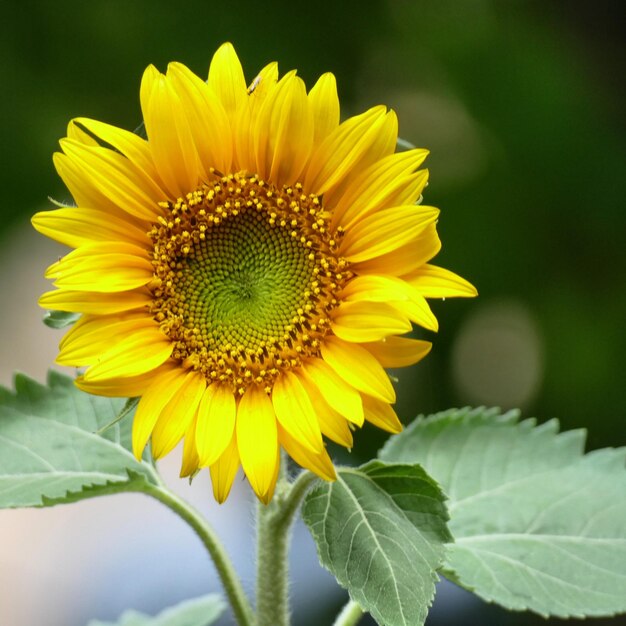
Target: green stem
<point>273,528</point>
<point>232,584</point>
<point>350,615</point>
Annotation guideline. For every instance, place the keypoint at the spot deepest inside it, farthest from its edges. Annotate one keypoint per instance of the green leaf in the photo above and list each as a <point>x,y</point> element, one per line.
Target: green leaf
<point>53,448</point>
<point>537,525</point>
<point>60,319</point>
<point>380,530</point>
<point>198,612</point>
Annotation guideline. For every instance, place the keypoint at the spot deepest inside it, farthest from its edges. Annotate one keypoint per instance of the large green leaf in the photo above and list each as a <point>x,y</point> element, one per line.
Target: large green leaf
<point>380,530</point>
<point>537,525</point>
<point>198,612</point>
<point>55,445</point>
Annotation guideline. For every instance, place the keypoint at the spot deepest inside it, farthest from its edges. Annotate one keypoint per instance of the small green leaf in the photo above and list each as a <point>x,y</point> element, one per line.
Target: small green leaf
<point>51,451</point>
<point>537,525</point>
<point>380,531</point>
<point>60,319</point>
<point>198,612</point>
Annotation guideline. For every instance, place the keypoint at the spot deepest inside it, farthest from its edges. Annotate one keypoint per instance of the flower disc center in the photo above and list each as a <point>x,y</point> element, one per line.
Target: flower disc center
<point>245,277</point>
<point>245,282</point>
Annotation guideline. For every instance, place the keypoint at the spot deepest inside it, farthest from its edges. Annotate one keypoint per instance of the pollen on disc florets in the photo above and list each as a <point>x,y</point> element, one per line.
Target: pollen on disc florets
<point>245,277</point>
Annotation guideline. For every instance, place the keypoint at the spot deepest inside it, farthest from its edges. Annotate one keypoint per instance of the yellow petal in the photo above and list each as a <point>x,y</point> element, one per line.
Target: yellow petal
<point>211,128</point>
<point>257,440</point>
<point>406,258</point>
<point>373,187</point>
<point>270,492</point>
<point>191,461</point>
<point>398,351</point>
<point>97,249</point>
<point>383,144</point>
<point>340,395</point>
<point>97,303</point>
<point>262,86</point>
<point>358,367</point>
<point>103,266</point>
<point>224,470</point>
<point>135,148</point>
<point>385,231</point>
<point>417,310</point>
<point>177,415</point>
<point>85,194</point>
<point>381,414</point>
<point>169,134</point>
<point>437,282</point>
<point>342,149</point>
<point>132,387</point>
<point>332,424</point>
<point>284,132</point>
<point>77,226</point>
<point>163,388</point>
<point>319,463</point>
<point>295,413</point>
<point>244,156</point>
<point>78,134</point>
<point>374,289</point>
<point>246,117</point>
<point>367,321</point>
<point>94,335</point>
<point>144,350</point>
<point>226,78</point>
<point>115,177</point>
<point>216,422</point>
<point>325,106</point>
<point>405,190</point>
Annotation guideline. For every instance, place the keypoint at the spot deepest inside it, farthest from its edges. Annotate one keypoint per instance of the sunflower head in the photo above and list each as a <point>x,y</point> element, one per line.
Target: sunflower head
<point>250,269</point>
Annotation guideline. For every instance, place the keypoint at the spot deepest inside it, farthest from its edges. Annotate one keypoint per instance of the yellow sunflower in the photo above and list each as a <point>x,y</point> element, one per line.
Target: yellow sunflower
<point>249,269</point>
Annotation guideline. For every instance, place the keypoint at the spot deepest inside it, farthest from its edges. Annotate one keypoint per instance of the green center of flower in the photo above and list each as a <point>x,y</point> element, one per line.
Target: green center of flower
<point>244,283</point>
<point>246,275</point>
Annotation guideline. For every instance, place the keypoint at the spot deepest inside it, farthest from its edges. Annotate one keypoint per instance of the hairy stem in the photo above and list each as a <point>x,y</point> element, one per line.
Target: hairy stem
<point>231,582</point>
<point>274,523</point>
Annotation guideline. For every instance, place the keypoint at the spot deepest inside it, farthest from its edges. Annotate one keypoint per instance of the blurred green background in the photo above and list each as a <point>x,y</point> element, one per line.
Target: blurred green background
<point>521,104</point>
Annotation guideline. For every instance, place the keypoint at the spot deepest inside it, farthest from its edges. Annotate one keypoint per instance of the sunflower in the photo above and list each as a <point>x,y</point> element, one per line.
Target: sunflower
<point>249,269</point>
